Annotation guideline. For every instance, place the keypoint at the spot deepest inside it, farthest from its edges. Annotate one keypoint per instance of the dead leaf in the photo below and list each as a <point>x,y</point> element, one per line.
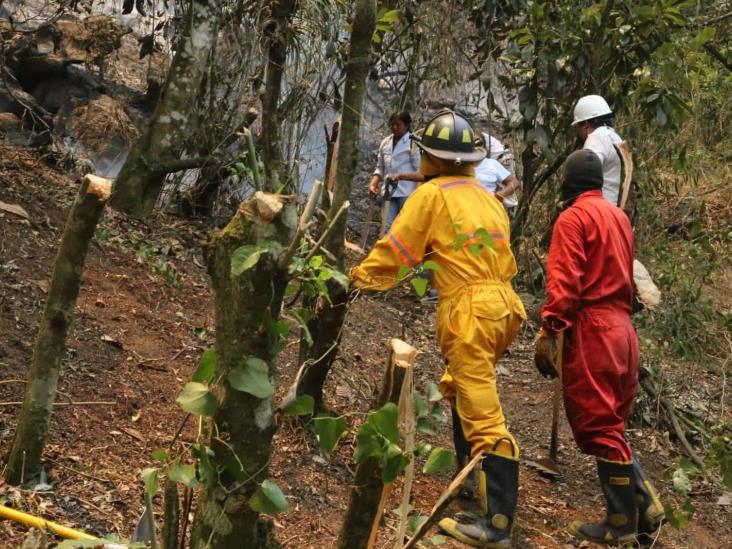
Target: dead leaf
<point>42,284</point>
<point>14,209</point>
<point>134,433</point>
<point>111,341</point>
<point>725,499</point>
<point>136,416</point>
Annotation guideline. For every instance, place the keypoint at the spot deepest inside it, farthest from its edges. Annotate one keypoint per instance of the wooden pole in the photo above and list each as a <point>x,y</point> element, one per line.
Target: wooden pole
<point>24,461</point>
<point>369,494</point>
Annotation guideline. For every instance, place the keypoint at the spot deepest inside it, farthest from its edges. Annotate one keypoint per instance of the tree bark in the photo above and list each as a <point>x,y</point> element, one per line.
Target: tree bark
<point>277,39</point>
<point>326,325</point>
<point>366,504</point>
<point>171,516</point>
<point>247,307</point>
<point>24,461</point>
<point>141,178</point>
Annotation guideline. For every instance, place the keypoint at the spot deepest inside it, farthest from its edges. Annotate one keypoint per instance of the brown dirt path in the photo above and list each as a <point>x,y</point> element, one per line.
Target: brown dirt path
<point>154,335</point>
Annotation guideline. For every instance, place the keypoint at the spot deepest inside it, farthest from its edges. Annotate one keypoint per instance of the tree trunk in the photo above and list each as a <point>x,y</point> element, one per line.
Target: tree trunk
<point>327,324</point>
<point>369,493</point>
<point>247,309</point>
<point>24,461</point>
<point>141,178</point>
<point>171,516</point>
<point>277,39</point>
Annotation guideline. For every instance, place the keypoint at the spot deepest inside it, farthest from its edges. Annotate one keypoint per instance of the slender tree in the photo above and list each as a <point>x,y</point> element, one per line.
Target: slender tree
<point>327,323</point>
<point>26,453</point>
<point>157,152</point>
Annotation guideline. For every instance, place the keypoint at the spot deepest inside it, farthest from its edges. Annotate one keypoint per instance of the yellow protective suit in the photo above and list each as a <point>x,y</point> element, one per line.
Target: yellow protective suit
<point>478,313</point>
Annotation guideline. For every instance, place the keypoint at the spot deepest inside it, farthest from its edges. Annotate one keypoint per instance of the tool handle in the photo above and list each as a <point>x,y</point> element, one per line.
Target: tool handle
<point>557,399</point>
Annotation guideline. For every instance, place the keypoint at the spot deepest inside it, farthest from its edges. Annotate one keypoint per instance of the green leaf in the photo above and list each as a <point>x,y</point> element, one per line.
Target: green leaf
<point>269,499</point>
<point>385,420</point>
<point>436,412</point>
<point>301,406</point>
<point>370,442</point>
<point>301,320</point>
<point>197,399</point>
<point>245,257</point>
<point>206,470</point>
<point>460,240</point>
<point>422,448</point>
<point>425,426</point>
<point>420,285</point>
<point>161,454</point>
<point>431,266</point>
<point>329,431</point>
<point>316,261</point>
<point>252,377</point>
<point>206,367</point>
<point>150,478</point>
<point>437,539</point>
<point>707,34</point>
<point>420,405</point>
<point>415,521</point>
<point>391,16</point>
<point>393,463</point>
<point>440,460</point>
<point>433,393</point>
<point>403,272</point>
<point>341,278</point>
<point>183,473</point>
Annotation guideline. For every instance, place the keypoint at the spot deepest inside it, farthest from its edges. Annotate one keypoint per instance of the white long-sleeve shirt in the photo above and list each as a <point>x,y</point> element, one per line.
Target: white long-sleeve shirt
<point>398,158</point>
<point>602,142</point>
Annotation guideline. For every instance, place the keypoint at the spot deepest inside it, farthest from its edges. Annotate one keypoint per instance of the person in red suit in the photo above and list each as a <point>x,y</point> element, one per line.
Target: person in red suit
<point>589,296</point>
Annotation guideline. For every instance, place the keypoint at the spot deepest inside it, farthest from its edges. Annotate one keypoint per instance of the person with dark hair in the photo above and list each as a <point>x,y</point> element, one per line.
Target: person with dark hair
<point>589,292</point>
<point>593,120</point>
<point>396,157</point>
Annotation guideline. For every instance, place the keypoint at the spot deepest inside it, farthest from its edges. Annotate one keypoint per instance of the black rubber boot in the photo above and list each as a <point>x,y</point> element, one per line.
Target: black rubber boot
<point>499,490</point>
<point>617,480</point>
<point>462,451</point>
<point>651,515</point>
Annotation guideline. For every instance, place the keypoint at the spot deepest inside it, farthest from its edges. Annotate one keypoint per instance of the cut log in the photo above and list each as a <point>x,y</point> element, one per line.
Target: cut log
<point>444,500</point>
<point>369,494</point>
<point>24,461</point>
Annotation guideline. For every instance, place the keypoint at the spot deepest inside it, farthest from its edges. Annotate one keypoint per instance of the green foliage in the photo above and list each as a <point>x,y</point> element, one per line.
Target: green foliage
<point>269,499</point>
<point>150,478</point>
<point>252,377</point>
<point>206,367</point>
<point>329,431</point>
<point>439,460</point>
<point>721,457</point>
<point>183,473</point>
<point>301,406</point>
<point>378,438</point>
<point>197,399</point>
<point>679,517</point>
<point>247,256</point>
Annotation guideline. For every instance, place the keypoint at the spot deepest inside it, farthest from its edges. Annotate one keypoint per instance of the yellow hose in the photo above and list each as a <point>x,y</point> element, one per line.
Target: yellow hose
<point>42,524</point>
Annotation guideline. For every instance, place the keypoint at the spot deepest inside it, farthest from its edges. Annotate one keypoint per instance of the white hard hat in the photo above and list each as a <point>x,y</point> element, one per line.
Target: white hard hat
<point>589,107</point>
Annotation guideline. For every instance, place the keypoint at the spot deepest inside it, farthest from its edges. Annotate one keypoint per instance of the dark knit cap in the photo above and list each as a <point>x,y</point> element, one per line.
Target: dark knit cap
<point>582,172</point>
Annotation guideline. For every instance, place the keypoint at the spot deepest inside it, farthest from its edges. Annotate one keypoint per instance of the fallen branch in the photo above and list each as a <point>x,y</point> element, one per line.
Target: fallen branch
<point>82,403</point>
<point>671,414</point>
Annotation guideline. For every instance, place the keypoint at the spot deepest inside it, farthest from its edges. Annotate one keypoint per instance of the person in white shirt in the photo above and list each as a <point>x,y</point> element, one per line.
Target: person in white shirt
<point>593,121</point>
<point>492,174</point>
<point>396,156</point>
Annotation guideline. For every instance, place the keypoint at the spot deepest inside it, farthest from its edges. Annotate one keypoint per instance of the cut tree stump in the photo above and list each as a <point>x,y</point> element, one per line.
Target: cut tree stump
<point>369,494</point>
<point>24,461</point>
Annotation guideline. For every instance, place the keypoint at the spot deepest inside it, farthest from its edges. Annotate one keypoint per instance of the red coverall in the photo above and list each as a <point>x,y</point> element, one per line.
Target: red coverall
<point>589,293</point>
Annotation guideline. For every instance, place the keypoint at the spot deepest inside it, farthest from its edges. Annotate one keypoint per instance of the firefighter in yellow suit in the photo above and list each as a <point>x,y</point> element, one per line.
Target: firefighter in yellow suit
<point>478,314</point>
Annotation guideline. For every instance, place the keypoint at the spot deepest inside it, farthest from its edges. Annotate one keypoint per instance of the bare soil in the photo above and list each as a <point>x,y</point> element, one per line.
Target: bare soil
<point>143,318</point>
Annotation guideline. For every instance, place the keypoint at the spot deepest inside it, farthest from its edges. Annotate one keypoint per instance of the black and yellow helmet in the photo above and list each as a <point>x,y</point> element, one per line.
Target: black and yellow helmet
<point>448,136</point>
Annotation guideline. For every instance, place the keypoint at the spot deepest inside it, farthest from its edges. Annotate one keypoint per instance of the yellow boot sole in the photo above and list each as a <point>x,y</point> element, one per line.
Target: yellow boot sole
<point>609,539</point>
<point>449,527</point>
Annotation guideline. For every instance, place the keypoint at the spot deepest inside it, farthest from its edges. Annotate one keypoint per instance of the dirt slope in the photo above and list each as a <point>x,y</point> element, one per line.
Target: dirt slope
<point>135,341</point>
